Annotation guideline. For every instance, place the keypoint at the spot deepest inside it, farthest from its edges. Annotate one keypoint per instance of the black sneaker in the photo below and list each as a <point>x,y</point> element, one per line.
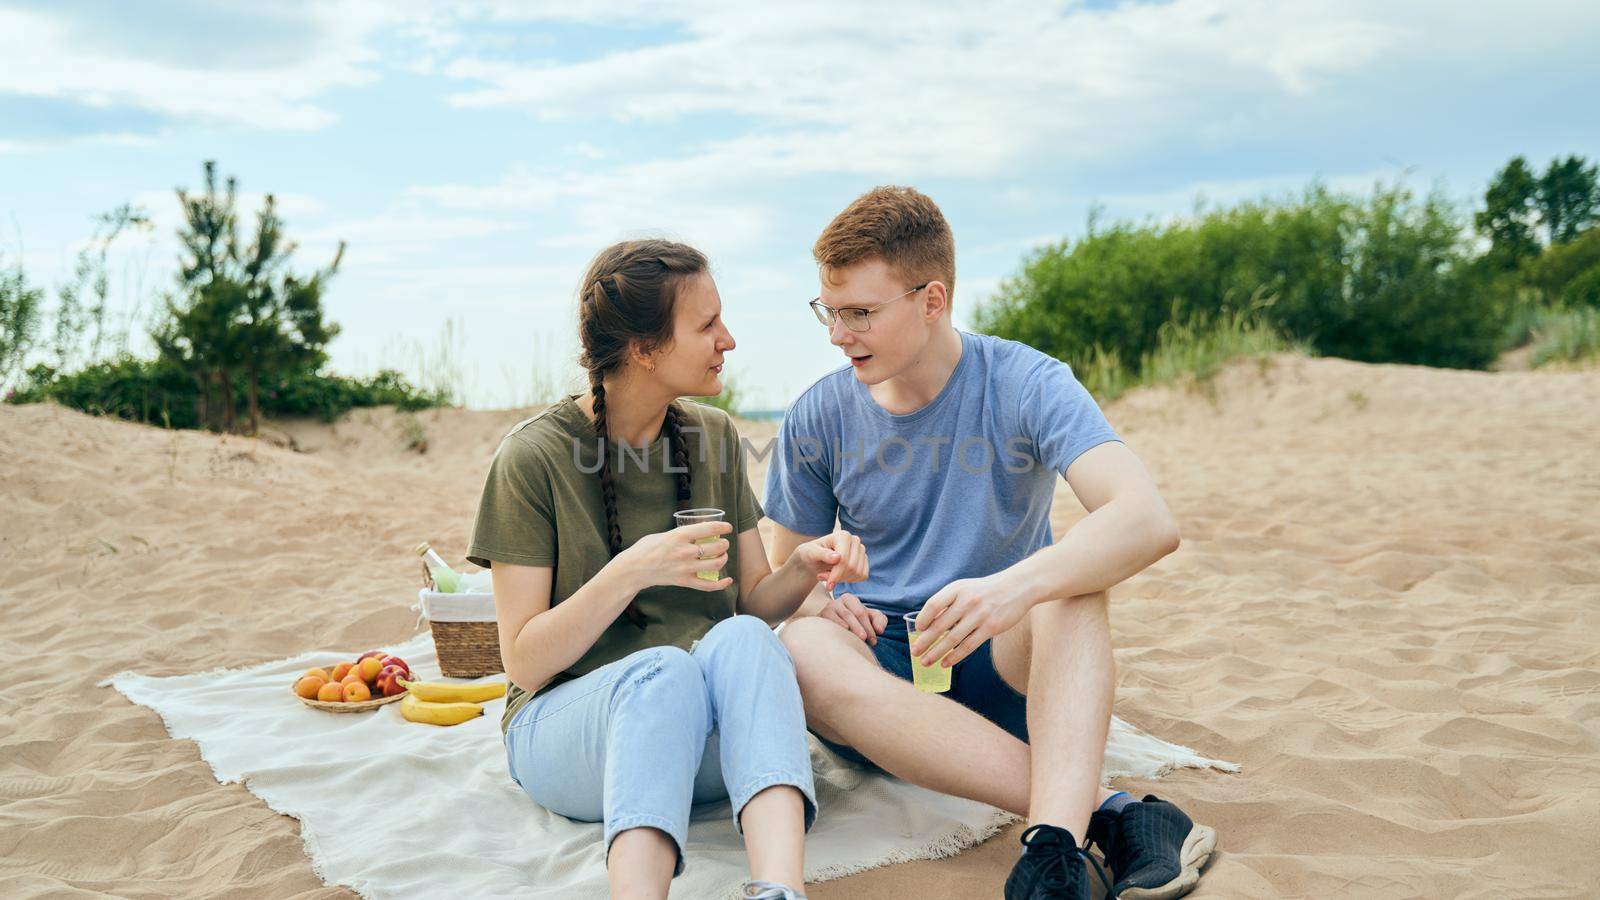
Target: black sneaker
<point>1154,850</point>
<point>1051,867</point>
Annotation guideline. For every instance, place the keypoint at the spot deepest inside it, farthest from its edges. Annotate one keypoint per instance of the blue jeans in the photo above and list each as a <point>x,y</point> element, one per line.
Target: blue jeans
<point>636,742</point>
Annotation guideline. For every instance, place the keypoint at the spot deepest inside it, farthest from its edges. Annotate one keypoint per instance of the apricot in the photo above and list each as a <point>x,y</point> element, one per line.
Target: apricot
<point>370,667</point>
<point>356,691</point>
<point>309,685</point>
<point>352,675</point>
<point>331,692</point>
<point>340,671</point>
<point>320,673</point>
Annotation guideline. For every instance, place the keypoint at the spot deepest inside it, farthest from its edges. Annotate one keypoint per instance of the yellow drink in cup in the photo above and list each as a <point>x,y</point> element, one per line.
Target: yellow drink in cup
<point>694,517</point>
<point>934,679</point>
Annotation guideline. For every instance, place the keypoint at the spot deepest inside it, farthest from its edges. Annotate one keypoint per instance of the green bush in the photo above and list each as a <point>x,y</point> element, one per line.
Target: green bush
<point>330,396</point>
<point>128,388</point>
<point>1569,274</point>
<point>1384,278</point>
<point>159,393</point>
<point>1583,292</point>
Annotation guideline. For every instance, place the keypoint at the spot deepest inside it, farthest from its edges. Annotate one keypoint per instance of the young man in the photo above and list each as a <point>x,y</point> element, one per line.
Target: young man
<point>940,450</point>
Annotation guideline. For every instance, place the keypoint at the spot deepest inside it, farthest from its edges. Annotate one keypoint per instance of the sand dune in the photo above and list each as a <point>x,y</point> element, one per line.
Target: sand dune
<point>1386,607</point>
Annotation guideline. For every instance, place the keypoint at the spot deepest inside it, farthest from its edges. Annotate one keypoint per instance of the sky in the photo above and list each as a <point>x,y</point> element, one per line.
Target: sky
<point>475,155</point>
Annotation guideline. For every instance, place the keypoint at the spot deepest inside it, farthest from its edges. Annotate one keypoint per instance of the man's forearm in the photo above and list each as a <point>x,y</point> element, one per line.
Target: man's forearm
<point>1105,548</point>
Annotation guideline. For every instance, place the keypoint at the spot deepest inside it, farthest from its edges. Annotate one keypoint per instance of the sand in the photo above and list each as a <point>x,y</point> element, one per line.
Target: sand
<point>1386,608</point>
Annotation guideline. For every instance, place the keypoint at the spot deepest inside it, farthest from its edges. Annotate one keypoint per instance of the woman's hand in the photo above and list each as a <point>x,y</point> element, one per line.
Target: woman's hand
<point>835,558</point>
<point>673,557</point>
<point>842,558</point>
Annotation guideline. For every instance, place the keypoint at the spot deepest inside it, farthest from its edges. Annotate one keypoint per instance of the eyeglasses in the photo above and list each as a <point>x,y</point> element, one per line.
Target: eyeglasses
<point>856,318</point>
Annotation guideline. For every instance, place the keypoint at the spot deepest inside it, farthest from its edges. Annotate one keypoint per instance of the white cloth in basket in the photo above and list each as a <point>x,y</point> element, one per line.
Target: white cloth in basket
<point>437,607</point>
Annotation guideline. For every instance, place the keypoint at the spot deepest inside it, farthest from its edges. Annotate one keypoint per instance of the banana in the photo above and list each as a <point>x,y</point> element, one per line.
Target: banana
<point>441,692</point>
<point>438,713</point>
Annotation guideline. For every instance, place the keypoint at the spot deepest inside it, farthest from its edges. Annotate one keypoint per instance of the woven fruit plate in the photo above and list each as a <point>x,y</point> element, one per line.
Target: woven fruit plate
<point>340,706</point>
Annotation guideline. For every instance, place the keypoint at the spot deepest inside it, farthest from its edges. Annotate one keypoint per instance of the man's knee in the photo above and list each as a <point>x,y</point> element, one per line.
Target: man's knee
<point>808,633</point>
<point>1058,619</point>
<point>824,655</point>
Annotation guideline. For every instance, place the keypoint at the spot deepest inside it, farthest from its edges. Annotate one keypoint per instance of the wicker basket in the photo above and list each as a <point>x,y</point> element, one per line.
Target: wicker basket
<point>465,634</point>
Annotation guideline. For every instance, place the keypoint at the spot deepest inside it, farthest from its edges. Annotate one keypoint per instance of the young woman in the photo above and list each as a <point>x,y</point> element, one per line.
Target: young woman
<point>638,686</point>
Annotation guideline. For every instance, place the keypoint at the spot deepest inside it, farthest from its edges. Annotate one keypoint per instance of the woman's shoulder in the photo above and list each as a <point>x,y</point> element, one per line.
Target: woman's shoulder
<point>542,436</point>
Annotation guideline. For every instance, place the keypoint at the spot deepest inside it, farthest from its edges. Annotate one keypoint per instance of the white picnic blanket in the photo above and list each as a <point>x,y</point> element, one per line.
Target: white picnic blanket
<point>452,823</point>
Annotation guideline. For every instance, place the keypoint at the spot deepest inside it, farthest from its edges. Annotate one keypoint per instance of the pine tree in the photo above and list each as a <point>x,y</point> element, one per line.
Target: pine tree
<point>240,314</point>
<point>1568,198</point>
<point>1508,220</point>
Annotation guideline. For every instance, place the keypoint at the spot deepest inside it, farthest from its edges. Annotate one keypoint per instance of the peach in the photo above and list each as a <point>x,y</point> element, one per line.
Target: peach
<point>378,653</point>
<point>332,692</point>
<point>320,673</point>
<point>356,691</point>
<point>340,671</point>
<point>309,685</point>
<point>370,667</point>
<point>396,661</point>
<point>388,683</point>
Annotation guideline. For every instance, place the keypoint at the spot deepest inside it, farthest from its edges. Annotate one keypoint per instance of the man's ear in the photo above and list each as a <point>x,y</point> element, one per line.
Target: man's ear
<point>935,300</point>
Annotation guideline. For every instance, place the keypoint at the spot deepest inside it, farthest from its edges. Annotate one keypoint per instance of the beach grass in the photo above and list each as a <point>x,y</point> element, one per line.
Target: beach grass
<point>1569,336</point>
<point>1190,353</point>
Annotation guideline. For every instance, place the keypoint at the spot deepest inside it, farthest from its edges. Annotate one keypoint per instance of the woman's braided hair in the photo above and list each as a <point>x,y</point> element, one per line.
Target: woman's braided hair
<point>627,300</point>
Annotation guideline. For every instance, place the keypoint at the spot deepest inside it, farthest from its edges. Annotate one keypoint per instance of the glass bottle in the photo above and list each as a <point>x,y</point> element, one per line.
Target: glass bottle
<point>445,579</point>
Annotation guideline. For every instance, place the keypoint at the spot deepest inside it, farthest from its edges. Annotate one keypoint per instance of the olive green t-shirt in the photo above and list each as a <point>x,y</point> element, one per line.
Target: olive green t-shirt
<point>542,506</point>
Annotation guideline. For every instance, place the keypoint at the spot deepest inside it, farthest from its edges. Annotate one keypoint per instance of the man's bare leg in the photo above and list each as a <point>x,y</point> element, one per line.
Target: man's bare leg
<point>850,700</point>
<point>1061,655</point>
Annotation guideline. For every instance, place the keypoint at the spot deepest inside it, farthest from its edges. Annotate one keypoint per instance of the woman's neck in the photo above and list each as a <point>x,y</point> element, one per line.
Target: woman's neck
<point>634,413</point>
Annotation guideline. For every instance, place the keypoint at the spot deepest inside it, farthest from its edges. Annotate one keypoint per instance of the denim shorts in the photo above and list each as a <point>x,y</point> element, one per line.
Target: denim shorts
<point>974,683</point>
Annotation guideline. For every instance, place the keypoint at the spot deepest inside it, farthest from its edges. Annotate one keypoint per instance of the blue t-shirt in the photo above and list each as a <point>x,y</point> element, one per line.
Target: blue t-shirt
<point>960,488</point>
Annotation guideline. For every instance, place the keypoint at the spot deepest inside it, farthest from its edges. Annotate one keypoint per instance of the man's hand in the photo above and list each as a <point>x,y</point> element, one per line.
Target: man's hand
<point>847,611</point>
<point>958,619</point>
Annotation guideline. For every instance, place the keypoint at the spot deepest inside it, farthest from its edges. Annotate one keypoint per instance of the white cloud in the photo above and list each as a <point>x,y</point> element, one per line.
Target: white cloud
<point>948,90</point>
<point>45,57</point>
<point>1179,202</point>
<point>971,90</point>
<point>398,237</point>
<point>675,198</point>
<point>977,89</point>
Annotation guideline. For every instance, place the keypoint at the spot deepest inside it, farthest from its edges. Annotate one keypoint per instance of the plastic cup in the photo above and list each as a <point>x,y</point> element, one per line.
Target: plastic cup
<point>934,679</point>
<point>695,517</point>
